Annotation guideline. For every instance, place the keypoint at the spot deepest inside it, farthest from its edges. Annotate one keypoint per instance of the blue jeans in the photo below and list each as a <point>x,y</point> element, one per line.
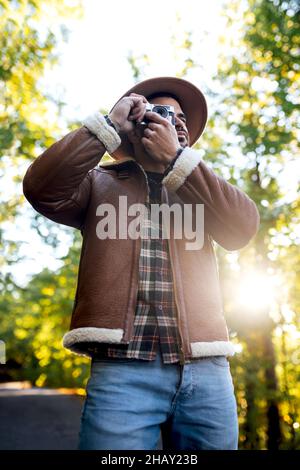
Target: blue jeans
<point>129,402</point>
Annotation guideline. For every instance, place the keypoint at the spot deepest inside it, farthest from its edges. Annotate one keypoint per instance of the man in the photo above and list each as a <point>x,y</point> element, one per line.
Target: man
<point>148,311</point>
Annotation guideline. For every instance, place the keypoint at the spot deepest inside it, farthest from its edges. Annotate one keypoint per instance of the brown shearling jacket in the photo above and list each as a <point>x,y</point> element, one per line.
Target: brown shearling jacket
<point>66,183</point>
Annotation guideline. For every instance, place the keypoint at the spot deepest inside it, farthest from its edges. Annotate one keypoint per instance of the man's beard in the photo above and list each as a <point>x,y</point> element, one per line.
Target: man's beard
<point>183,141</point>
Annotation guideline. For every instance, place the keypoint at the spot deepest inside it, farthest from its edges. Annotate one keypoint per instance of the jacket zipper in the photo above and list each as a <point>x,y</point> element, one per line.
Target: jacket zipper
<point>181,349</point>
<point>131,328</point>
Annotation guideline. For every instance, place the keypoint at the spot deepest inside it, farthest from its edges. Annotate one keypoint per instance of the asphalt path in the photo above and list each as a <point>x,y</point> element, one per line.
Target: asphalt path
<point>39,419</point>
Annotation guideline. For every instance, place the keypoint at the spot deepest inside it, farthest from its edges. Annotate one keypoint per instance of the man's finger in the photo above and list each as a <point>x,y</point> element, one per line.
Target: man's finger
<point>148,133</point>
<point>138,111</point>
<point>139,96</point>
<point>136,99</point>
<point>153,125</point>
<point>146,142</point>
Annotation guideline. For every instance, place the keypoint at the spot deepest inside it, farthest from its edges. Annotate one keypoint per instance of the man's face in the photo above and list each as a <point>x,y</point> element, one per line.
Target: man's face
<point>180,118</point>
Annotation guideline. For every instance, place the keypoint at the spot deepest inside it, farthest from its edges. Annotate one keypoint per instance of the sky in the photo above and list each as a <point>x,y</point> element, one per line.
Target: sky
<point>94,69</point>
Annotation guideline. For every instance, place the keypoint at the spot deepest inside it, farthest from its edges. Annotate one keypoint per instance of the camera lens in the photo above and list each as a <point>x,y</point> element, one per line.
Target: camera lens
<point>162,110</point>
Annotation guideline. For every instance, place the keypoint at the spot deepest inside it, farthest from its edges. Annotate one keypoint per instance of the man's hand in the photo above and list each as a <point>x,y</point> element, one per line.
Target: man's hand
<point>160,138</point>
<point>129,109</point>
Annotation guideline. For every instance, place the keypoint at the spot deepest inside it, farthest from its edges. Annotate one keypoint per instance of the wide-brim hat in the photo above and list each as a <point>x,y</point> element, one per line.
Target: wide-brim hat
<point>190,98</point>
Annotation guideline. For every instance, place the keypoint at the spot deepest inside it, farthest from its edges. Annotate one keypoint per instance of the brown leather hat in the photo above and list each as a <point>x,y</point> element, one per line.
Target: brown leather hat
<point>191,99</point>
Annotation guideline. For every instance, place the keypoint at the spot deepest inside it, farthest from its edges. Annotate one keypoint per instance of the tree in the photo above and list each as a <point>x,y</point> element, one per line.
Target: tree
<point>30,33</point>
<point>259,108</point>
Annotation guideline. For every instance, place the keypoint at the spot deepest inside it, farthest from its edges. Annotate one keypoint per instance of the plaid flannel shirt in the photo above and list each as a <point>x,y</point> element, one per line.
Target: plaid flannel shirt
<point>155,323</point>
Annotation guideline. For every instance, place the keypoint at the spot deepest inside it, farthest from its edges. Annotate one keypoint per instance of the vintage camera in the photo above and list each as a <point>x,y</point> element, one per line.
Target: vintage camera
<point>165,110</point>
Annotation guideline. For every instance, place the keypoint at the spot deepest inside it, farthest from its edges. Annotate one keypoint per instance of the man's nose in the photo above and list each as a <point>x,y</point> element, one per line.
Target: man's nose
<point>178,123</point>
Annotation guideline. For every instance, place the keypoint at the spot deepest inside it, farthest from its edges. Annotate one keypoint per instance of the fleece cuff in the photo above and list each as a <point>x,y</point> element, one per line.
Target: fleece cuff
<point>97,124</point>
<point>183,167</point>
